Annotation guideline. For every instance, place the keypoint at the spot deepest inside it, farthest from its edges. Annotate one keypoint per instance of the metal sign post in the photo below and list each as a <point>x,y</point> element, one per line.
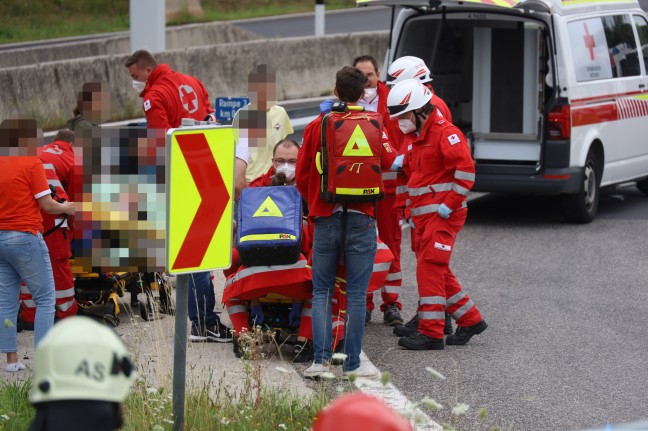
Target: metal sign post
<point>200,186</point>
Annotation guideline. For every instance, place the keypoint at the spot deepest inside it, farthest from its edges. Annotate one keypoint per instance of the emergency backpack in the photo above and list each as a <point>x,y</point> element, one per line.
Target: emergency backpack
<point>349,161</point>
<point>269,225</point>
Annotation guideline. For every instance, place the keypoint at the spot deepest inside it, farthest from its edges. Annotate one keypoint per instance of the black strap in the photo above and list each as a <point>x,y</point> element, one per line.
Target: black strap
<point>55,227</point>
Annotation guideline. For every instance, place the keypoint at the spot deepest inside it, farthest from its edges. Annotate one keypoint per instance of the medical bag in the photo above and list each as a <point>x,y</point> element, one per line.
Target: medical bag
<point>269,225</point>
<point>349,161</point>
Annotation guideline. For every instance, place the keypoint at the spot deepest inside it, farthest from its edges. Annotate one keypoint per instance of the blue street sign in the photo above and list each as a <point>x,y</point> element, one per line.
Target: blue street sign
<point>226,107</point>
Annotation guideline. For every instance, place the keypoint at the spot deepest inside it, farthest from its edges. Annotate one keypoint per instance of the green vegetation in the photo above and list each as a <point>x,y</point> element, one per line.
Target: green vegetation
<point>22,20</point>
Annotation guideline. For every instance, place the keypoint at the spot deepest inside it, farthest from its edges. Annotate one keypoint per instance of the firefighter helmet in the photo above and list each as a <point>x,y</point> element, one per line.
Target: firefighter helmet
<point>357,411</point>
<point>406,96</point>
<point>408,67</point>
<point>81,359</point>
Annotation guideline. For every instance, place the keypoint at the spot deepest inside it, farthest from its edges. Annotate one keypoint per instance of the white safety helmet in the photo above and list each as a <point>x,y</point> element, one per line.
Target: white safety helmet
<point>81,359</point>
<point>406,96</point>
<point>408,67</point>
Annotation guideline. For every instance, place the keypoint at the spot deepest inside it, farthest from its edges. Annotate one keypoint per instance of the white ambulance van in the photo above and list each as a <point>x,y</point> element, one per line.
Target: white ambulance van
<point>552,95</point>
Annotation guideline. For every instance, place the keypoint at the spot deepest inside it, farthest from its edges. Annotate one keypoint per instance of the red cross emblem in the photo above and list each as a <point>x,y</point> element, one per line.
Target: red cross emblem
<point>188,98</point>
<point>589,41</point>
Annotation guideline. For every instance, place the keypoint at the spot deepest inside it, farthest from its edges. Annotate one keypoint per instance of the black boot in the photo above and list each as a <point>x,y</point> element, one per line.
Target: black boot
<point>418,341</point>
<point>409,328</point>
<point>465,333</point>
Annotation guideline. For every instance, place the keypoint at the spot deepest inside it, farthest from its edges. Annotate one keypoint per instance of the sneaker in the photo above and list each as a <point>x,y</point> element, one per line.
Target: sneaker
<point>463,334</point>
<point>409,328</point>
<point>212,334</point>
<point>316,370</point>
<point>364,370</point>
<point>392,316</point>
<point>447,329</point>
<point>418,341</point>
<point>14,367</point>
<point>302,352</point>
<point>367,316</point>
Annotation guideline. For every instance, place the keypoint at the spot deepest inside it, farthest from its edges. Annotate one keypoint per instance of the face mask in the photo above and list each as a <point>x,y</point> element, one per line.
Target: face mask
<point>406,125</point>
<point>288,170</point>
<point>370,93</point>
<point>139,86</point>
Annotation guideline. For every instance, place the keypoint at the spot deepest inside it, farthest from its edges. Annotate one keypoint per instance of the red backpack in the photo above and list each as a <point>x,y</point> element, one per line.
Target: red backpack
<point>350,158</point>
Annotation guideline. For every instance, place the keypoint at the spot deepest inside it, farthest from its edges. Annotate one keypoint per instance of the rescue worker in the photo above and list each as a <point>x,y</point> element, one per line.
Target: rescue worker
<point>169,96</point>
<point>410,67</point>
<point>388,216</point>
<point>358,248</point>
<point>359,411</point>
<point>442,173</point>
<point>82,375</point>
<point>58,161</point>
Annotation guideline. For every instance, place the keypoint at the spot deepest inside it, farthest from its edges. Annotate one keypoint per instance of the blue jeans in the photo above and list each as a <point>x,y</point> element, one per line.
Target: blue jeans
<point>24,257</point>
<point>201,301</point>
<point>359,254</point>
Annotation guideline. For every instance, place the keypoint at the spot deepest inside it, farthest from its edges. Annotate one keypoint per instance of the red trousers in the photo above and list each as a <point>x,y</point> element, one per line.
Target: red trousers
<point>389,231</point>
<point>439,290</point>
<point>58,244</point>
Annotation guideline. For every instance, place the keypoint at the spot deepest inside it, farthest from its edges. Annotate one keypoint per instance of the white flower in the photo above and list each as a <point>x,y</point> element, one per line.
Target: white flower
<point>225,421</point>
<point>339,356</point>
<point>5,417</point>
<point>434,373</point>
<point>431,404</point>
<point>460,409</point>
<point>327,375</point>
<point>151,391</point>
<point>282,370</point>
<point>282,426</point>
<point>158,428</point>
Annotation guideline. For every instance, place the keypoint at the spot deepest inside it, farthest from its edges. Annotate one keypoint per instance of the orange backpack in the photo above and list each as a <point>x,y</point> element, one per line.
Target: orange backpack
<point>349,161</point>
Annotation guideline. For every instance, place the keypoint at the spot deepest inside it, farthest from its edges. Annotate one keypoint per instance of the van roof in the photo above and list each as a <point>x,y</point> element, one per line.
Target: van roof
<point>560,7</point>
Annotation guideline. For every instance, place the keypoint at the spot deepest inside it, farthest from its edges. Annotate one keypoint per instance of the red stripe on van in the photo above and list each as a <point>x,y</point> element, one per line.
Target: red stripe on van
<point>584,115</point>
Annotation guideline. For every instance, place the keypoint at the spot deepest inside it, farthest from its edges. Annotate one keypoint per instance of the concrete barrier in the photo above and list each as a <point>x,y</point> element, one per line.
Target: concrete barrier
<point>119,43</point>
<point>305,68</point>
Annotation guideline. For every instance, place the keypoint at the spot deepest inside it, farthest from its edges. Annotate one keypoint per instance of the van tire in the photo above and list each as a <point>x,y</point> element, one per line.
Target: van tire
<point>643,186</point>
<point>581,207</point>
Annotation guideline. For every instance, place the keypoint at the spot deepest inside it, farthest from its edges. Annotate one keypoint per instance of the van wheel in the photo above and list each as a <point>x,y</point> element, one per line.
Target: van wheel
<point>581,207</point>
<point>643,186</point>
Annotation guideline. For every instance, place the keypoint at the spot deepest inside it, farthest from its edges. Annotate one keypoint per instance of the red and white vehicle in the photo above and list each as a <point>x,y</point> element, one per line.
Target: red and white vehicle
<point>553,95</point>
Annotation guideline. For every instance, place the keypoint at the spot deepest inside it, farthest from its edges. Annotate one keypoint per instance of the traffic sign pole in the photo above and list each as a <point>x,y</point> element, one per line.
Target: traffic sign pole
<point>180,351</point>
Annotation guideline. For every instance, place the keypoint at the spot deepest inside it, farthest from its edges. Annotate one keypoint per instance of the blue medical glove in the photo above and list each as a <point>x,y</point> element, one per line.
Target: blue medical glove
<point>398,163</point>
<point>411,223</point>
<point>256,315</point>
<point>294,318</point>
<point>444,211</point>
<point>326,106</point>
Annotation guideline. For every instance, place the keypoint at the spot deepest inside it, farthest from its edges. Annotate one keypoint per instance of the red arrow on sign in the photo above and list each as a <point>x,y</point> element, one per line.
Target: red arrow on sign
<point>214,199</point>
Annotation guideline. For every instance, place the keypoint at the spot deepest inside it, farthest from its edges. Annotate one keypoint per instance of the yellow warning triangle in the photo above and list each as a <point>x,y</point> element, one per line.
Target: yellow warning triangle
<point>357,145</point>
<point>268,209</point>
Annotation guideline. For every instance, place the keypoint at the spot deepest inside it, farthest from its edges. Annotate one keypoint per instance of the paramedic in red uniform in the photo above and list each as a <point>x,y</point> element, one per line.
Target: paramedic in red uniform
<point>374,99</point>
<point>170,96</point>
<point>359,246</point>
<point>442,173</point>
<point>58,161</point>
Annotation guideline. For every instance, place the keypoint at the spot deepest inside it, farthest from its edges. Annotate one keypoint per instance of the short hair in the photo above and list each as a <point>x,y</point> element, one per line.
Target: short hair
<point>286,143</point>
<point>262,73</point>
<point>141,58</point>
<point>15,129</point>
<point>364,58</point>
<point>88,93</point>
<point>350,84</point>
<point>65,135</point>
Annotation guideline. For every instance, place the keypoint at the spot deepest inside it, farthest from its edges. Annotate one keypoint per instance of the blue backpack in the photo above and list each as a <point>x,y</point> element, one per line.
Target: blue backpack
<point>269,225</point>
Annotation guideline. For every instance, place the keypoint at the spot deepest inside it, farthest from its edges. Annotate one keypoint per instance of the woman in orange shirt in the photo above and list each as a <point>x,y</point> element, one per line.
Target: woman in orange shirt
<point>23,253</point>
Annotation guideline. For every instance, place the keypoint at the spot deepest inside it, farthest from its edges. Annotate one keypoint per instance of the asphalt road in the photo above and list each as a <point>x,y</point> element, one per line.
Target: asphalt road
<point>346,21</point>
<point>567,344</point>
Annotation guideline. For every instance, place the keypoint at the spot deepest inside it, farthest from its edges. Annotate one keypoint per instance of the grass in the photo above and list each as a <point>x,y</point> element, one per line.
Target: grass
<point>22,21</point>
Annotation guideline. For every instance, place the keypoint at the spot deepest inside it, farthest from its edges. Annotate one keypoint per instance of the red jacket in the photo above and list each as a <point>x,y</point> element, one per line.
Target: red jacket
<point>170,96</point>
<point>440,166</point>
<point>307,178</point>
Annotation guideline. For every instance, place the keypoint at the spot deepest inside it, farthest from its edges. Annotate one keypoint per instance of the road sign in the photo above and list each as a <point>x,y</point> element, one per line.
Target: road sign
<point>200,186</point>
<point>226,107</point>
